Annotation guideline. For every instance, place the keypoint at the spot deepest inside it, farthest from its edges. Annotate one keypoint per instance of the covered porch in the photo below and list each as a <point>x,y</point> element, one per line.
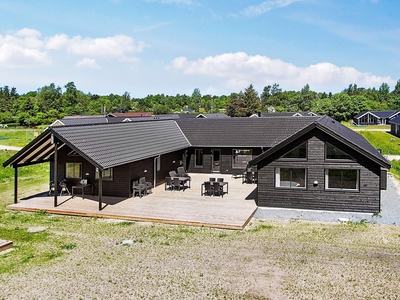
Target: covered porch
<point>232,211</point>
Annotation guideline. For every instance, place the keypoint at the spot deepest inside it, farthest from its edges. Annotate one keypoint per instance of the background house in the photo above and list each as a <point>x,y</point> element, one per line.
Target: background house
<point>375,117</point>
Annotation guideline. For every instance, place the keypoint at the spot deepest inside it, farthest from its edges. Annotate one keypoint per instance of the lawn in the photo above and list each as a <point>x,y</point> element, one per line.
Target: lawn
<point>385,141</point>
<point>18,137</point>
<point>62,257</point>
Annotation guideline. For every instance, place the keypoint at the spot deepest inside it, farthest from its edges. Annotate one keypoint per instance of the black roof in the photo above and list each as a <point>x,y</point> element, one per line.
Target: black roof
<point>338,131</point>
<point>378,113</point>
<point>113,144</point>
<point>241,132</point>
<point>107,145</point>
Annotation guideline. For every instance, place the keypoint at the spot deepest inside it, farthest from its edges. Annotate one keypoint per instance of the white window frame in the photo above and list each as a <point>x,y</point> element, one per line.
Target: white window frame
<point>341,176</point>
<point>289,186</point>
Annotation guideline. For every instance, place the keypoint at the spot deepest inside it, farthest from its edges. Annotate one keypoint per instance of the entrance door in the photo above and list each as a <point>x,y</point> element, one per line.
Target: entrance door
<point>216,160</point>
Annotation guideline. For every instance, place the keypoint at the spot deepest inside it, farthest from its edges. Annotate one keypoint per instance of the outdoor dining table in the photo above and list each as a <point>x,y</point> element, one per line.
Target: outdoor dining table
<point>221,183</point>
<point>82,187</point>
<point>183,180</point>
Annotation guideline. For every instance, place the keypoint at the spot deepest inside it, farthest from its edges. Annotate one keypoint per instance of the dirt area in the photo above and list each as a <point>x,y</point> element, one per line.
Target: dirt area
<point>268,260</point>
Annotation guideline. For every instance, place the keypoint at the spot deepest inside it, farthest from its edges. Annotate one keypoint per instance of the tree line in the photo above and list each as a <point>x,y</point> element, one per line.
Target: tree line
<point>51,102</point>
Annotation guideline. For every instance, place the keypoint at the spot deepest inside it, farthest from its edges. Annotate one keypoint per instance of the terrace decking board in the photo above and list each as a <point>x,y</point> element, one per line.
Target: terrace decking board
<point>5,245</point>
<point>174,207</point>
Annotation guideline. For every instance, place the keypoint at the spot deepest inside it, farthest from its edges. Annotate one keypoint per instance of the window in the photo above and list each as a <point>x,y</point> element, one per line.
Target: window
<point>240,158</point>
<point>341,179</point>
<point>158,163</point>
<point>107,174</point>
<point>290,178</point>
<point>73,170</point>
<point>298,153</point>
<point>331,152</point>
<point>198,153</point>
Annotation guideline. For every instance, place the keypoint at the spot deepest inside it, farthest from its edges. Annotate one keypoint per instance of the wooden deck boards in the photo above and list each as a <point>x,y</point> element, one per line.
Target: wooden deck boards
<point>233,211</point>
<point>5,245</point>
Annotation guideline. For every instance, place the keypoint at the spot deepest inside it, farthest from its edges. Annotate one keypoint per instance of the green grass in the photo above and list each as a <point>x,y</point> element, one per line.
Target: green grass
<point>382,140</point>
<point>18,137</point>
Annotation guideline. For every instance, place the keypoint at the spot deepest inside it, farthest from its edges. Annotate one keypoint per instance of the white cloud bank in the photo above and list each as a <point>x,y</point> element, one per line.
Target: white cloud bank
<point>27,48</point>
<point>238,70</point>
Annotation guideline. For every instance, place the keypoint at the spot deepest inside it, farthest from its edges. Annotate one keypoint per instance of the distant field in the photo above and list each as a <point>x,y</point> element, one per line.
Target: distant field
<point>382,140</point>
<point>18,137</point>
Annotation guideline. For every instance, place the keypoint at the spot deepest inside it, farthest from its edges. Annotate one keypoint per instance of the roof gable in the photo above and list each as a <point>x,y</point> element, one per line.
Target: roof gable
<point>338,131</point>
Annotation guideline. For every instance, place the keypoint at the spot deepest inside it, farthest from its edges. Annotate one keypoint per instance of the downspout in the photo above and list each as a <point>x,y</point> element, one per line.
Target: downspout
<point>55,169</point>
<point>16,185</point>
<point>155,170</point>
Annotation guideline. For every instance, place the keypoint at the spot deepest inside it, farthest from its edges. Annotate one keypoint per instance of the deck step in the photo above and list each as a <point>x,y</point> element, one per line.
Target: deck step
<point>4,245</point>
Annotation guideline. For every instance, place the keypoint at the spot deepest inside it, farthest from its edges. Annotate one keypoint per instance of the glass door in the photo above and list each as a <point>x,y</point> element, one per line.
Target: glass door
<point>216,160</point>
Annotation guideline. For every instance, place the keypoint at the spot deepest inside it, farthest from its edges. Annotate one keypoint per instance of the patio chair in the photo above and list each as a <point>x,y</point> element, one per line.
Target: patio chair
<point>64,188</point>
<point>138,188</point>
<point>220,179</point>
<point>208,188</point>
<point>182,172</point>
<point>217,189</point>
<point>212,179</point>
<point>173,174</point>
<point>178,184</point>
<point>168,183</point>
<point>148,184</point>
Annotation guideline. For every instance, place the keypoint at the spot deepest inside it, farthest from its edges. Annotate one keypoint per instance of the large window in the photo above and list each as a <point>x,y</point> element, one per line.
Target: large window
<point>290,177</point>
<point>333,153</point>
<point>240,158</point>
<point>298,153</point>
<point>73,170</point>
<point>339,179</point>
<point>107,174</point>
<point>198,153</point>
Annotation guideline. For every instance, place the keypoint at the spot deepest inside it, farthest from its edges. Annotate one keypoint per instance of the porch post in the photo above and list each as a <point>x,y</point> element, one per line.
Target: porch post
<point>16,185</point>
<point>100,189</point>
<point>55,174</point>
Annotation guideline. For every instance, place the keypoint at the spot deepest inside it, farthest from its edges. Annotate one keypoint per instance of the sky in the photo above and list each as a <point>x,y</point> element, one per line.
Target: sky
<point>148,47</point>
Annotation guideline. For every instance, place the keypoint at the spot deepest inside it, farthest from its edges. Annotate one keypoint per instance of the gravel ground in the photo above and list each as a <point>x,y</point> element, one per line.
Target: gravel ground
<point>390,214</point>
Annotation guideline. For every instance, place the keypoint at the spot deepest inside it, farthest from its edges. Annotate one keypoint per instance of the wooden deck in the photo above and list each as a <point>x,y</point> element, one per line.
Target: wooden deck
<point>232,211</point>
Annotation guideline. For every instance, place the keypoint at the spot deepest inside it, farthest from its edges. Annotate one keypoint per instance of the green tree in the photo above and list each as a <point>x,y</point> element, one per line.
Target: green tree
<point>251,101</point>
<point>235,107</point>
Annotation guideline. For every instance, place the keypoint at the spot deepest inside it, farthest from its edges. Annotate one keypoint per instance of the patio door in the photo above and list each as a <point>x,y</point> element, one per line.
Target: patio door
<point>216,160</point>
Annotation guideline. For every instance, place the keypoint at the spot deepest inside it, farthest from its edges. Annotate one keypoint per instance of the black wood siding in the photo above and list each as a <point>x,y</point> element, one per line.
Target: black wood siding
<point>226,160</point>
<point>367,199</point>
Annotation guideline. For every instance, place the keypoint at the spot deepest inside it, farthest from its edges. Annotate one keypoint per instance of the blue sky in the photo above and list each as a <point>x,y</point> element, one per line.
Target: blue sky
<point>219,46</point>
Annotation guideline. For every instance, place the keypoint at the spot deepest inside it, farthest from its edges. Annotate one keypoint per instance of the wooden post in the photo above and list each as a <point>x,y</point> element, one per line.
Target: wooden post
<point>100,189</point>
<point>16,185</point>
<point>55,174</point>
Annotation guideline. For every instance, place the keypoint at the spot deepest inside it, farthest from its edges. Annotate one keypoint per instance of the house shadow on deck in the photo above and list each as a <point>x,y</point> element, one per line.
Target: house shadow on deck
<point>232,211</point>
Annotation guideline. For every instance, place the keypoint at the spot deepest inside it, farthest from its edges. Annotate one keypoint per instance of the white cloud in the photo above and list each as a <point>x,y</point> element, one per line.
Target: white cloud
<point>28,48</point>
<point>88,62</point>
<point>266,6</point>
<point>22,49</point>
<point>238,70</point>
<point>114,46</point>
